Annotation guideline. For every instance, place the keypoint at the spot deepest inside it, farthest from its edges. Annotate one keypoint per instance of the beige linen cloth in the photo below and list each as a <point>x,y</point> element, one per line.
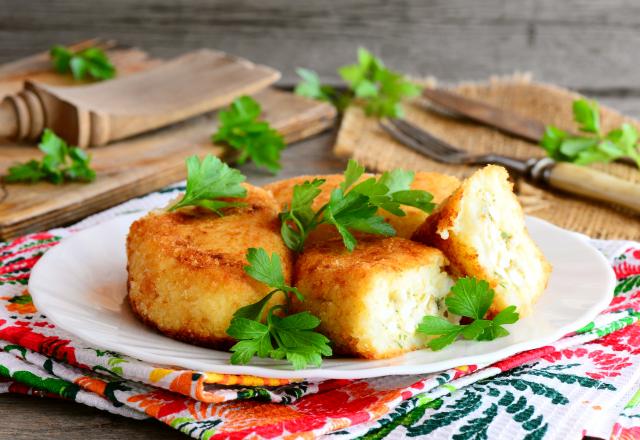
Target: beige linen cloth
<point>360,137</point>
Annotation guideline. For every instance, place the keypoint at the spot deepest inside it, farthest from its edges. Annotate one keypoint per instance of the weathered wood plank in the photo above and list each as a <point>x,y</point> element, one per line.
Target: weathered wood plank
<point>26,418</point>
<point>139,165</point>
<point>134,166</point>
<point>577,43</point>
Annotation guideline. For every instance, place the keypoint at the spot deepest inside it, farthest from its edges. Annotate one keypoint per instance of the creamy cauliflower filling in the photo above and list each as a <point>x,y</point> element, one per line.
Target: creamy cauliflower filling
<point>490,219</point>
<point>397,305</point>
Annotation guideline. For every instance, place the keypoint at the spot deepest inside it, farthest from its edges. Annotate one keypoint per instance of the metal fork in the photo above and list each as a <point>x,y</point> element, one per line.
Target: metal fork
<point>570,178</point>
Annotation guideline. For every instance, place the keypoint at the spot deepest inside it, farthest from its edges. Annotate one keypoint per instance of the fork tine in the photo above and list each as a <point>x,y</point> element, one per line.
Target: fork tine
<point>411,142</point>
<point>427,142</point>
<point>424,137</point>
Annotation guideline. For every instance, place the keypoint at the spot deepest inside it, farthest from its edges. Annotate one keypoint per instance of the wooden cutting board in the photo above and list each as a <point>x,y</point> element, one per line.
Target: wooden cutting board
<point>132,167</point>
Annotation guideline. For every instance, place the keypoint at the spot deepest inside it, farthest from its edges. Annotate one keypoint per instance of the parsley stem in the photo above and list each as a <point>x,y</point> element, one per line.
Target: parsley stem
<point>270,323</point>
<point>270,294</point>
<point>298,225</point>
<point>314,220</point>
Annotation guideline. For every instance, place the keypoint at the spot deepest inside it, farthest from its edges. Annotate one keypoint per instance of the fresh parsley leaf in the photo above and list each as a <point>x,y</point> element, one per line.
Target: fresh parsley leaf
<point>552,140</point>
<point>241,129</point>
<point>437,325</point>
<point>352,211</point>
<point>351,207</point>
<point>475,329</point>
<point>573,146</point>
<point>495,330</point>
<point>80,166</point>
<point>300,218</point>
<point>264,269</point>
<point>209,181</point>
<point>290,337</point>
<point>303,197</point>
<point>622,142</point>
<point>30,171</point>
<point>60,163</point>
<point>298,342</point>
<point>592,147</point>
<point>469,298</point>
<point>351,175</point>
<point>268,270</point>
<point>492,332</point>
<point>441,342</point>
<point>378,89</point>
<point>247,328</point>
<point>311,88</point>
<point>381,89</point>
<point>253,338</point>
<point>397,180</point>
<point>416,198</point>
<point>91,62</point>
<point>256,310</point>
<point>586,113</point>
<point>392,189</point>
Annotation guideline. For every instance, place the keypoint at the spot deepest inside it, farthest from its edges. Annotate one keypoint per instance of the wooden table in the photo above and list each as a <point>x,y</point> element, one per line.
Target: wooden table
<point>587,46</point>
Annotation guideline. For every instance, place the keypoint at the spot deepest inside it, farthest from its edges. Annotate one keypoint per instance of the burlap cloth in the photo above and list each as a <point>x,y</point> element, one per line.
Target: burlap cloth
<point>361,138</point>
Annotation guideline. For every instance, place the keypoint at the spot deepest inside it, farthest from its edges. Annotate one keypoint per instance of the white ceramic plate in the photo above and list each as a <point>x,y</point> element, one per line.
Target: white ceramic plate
<point>81,285</point>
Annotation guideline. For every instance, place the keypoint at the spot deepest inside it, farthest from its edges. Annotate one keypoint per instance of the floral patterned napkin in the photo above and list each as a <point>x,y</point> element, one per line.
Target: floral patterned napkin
<point>587,383</point>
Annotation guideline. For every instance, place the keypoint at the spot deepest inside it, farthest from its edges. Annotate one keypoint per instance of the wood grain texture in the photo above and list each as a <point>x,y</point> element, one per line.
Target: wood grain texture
<point>134,166</point>
<point>95,114</point>
<point>576,43</point>
<point>28,418</point>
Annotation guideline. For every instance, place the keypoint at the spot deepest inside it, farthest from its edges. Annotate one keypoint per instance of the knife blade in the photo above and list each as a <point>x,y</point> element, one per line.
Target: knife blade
<point>508,122</point>
<point>511,123</point>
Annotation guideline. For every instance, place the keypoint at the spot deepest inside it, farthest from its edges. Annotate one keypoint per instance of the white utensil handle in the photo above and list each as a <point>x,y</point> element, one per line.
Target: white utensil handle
<point>594,184</point>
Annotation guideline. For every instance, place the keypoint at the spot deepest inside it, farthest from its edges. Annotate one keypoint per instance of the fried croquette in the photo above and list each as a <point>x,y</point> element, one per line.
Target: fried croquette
<point>370,301</point>
<point>185,268</point>
<point>481,230</point>
<point>439,185</point>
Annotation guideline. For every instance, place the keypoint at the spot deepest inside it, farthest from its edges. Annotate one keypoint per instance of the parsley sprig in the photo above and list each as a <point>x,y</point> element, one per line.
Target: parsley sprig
<point>91,62</point>
<point>378,89</point>
<point>311,87</point>
<point>470,298</point>
<point>593,145</point>
<point>60,163</point>
<point>279,335</point>
<point>209,181</point>
<point>351,207</point>
<point>254,139</point>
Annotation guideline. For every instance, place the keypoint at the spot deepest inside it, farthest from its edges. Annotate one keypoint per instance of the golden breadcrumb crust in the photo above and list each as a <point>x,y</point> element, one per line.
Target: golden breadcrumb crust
<point>185,268</point>
<point>336,283</point>
<point>439,230</point>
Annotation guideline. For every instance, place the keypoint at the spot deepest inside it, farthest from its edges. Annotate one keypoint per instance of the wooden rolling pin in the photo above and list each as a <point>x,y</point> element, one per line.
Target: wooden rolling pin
<point>98,113</point>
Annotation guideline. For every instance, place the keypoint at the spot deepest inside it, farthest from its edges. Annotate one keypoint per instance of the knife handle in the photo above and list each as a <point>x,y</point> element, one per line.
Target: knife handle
<point>588,182</point>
